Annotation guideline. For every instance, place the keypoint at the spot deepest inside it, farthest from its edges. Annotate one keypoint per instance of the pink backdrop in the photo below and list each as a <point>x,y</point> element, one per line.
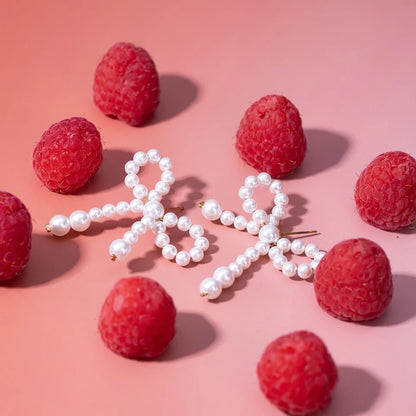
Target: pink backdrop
<point>349,68</point>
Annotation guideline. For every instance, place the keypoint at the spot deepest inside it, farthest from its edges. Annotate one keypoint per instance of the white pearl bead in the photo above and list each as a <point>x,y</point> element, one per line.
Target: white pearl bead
<point>249,205</point>
<point>224,276</point>
<point>281,199</point>
<point>165,163</point>
<point>168,177</point>
<point>227,217</point>
<point>96,214</point>
<point>210,288</point>
<point>136,206</point>
<point>245,192</point>
<point>155,195</point>
<point>279,261</point>
<point>279,211</point>
<point>139,228</point>
<point>109,210</point>
<point>122,208</point>
<point>162,240</point>
<point>202,243</point>
<point>311,250</point>
<point>154,155</point>
<point>273,220</point>
<point>59,225</point>
<point>243,261</point>
<point>240,222</point>
<point>319,255</point>
<point>297,247</point>
<point>131,167</point>
<point>131,237</point>
<point>196,231</point>
<point>148,221</point>
<point>262,247</point>
<point>252,228</point>
<point>154,209</point>
<point>275,251</point>
<point>196,254</point>
<point>169,252</point>
<point>79,220</point>
<point>211,209</point>
<point>140,158</point>
<point>252,254</point>
<point>162,187</point>
<point>182,258</point>
<point>264,179</point>
<point>260,216</point>
<point>289,269</point>
<point>304,271</point>
<point>140,191</point>
<point>284,244</point>
<point>159,227</point>
<point>236,269</point>
<point>275,187</point>
<point>119,249</point>
<point>184,223</point>
<point>131,180</point>
<point>314,264</point>
<point>170,219</point>
<point>251,181</point>
<point>269,234</point>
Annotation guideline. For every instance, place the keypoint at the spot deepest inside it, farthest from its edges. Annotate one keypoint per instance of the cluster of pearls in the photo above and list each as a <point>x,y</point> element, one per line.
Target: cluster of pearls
<point>148,204</point>
<point>265,226</point>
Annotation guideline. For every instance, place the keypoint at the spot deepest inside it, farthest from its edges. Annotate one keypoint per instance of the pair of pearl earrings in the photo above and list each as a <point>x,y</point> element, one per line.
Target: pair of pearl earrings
<point>155,217</point>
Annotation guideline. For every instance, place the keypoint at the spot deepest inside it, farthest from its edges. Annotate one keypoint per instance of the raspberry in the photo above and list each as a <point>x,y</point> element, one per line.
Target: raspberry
<point>385,194</point>
<point>353,280</point>
<point>15,235</point>
<point>137,319</point>
<point>68,155</point>
<point>126,84</point>
<point>270,137</point>
<point>297,373</point>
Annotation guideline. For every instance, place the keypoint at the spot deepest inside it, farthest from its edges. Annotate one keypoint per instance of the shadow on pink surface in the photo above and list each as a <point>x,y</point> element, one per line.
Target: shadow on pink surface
<point>50,258</point>
<point>194,333</point>
<point>186,192</point>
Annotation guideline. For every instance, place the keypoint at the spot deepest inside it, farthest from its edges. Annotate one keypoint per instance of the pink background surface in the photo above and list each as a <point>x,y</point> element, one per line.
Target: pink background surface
<point>349,68</point>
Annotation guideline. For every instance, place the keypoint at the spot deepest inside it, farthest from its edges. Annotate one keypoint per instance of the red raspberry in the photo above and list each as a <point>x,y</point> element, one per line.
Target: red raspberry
<point>15,235</point>
<point>297,373</point>
<point>68,155</point>
<point>137,319</point>
<point>270,137</point>
<point>126,84</point>
<point>385,193</point>
<point>353,280</point>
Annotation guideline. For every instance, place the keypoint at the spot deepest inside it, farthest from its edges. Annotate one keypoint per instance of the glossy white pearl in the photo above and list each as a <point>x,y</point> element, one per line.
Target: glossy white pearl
<point>131,237</point>
<point>236,269</point>
<point>252,254</point>
<point>155,195</point>
<point>264,179</point>
<point>96,214</point>
<point>136,206</point>
<point>131,167</point>
<point>79,220</point>
<point>284,244</point>
<point>224,276</point>
<point>154,209</point>
<point>148,221</point>
<point>210,288</point>
<point>168,177</point>
<point>281,199</point>
<point>139,228</point>
<point>259,216</point>
<point>159,227</point>
<point>311,250</point>
<point>119,249</point>
<point>240,222</point>
<point>314,264</point>
<point>154,155</point>
<point>140,158</point>
<point>165,163</point>
<point>269,234</point>
<point>140,191</point>
<point>211,209</point>
<point>319,255</point>
<point>251,181</point>
<point>227,218</point>
<point>196,254</point>
<point>279,261</point>
<point>182,258</point>
<point>304,271</point>
<point>252,228</point>
<point>297,247</point>
<point>109,210</point>
<point>170,219</point>
<point>59,225</point>
<point>279,211</point>
<point>122,208</point>
<point>202,243</point>
<point>169,251</point>
<point>245,192</point>
<point>196,231</point>
<point>184,223</point>
<point>275,251</point>
<point>131,180</point>
<point>275,187</point>
<point>262,247</point>
<point>243,261</point>
<point>289,269</point>
<point>162,240</point>
<point>162,187</point>
<point>249,205</point>
<point>273,220</point>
